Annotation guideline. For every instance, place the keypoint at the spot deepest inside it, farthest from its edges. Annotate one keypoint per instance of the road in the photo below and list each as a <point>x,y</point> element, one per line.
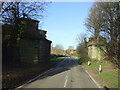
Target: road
<point>67,74</point>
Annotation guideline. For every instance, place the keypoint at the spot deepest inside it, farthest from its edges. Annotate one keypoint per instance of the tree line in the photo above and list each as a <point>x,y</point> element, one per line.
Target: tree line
<point>58,49</point>
<point>104,20</point>
<point>12,11</point>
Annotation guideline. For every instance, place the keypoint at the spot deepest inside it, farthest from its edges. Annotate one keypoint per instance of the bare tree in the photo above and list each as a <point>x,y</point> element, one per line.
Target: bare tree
<point>12,11</point>
<point>103,20</point>
<point>81,38</point>
<point>71,47</point>
<point>58,49</point>
<point>81,47</point>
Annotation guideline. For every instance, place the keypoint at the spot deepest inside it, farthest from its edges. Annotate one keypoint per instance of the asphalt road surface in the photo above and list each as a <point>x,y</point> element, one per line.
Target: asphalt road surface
<point>67,74</point>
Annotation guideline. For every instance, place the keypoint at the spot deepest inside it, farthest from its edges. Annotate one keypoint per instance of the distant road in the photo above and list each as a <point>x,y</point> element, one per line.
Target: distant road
<point>67,74</point>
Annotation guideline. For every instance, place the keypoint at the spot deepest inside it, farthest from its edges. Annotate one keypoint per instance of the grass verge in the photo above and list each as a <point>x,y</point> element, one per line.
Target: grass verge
<point>109,75</point>
<point>56,60</point>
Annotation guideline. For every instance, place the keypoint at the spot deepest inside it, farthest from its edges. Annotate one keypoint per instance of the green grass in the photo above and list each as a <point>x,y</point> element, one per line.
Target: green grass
<point>96,63</point>
<point>58,58</point>
<point>108,75</point>
<point>76,57</point>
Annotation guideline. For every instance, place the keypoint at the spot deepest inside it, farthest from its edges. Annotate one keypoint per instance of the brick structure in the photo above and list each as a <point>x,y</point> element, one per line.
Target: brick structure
<point>33,47</point>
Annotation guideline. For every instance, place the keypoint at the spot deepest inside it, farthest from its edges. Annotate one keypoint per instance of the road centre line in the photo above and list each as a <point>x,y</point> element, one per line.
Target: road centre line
<point>66,78</point>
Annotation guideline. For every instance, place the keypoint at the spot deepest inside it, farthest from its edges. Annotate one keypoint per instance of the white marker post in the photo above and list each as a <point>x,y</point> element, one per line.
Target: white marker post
<point>100,68</point>
<point>89,63</point>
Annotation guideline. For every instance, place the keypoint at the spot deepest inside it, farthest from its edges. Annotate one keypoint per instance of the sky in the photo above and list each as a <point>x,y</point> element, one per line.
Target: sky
<point>64,21</point>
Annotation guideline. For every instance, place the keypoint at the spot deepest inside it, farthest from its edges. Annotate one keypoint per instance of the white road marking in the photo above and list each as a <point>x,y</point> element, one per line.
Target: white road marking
<point>93,79</point>
<point>66,79</point>
<point>33,79</point>
<point>36,77</point>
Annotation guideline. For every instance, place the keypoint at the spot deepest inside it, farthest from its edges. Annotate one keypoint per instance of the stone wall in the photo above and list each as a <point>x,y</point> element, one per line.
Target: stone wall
<point>29,50</point>
<point>32,45</point>
<point>9,45</point>
<point>96,49</point>
<point>35,48</point>
<point>44,50</point>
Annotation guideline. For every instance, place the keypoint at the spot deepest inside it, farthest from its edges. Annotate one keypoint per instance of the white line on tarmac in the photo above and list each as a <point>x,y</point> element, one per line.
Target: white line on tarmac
<point>66,79</point>
<point>93,79</point>
<point>33,79</point>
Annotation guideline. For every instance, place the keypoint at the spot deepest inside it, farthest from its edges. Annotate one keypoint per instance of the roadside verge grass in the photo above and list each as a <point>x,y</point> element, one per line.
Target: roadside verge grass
<point>110,77</point>
<point>56,60</point>
<point>109,74</point>
<point>80,59</point>
<point>76,57</point>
